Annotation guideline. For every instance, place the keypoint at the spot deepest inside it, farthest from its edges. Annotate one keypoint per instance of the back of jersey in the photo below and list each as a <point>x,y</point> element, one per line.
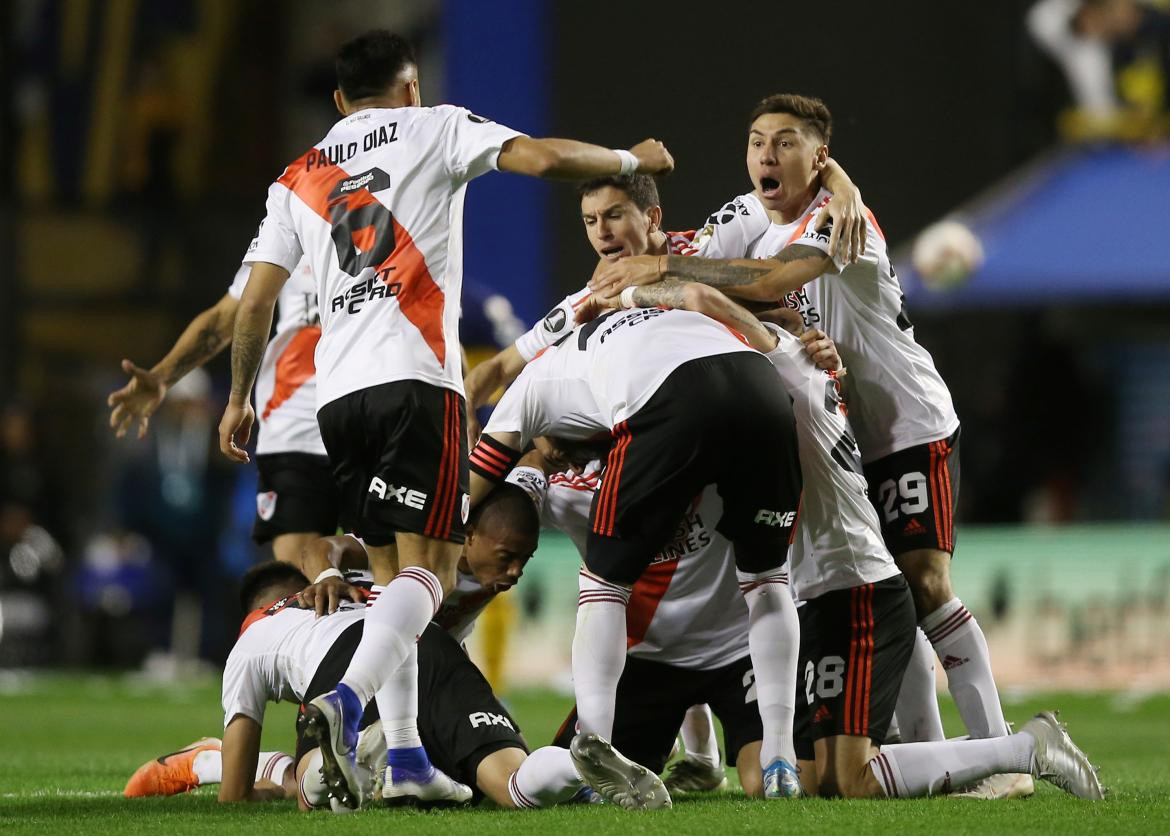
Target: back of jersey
<point>377,209</point>
<point>632,352</point>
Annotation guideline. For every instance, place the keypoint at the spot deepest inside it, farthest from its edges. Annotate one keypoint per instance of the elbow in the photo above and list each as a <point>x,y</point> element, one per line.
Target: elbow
<point>546,162</point>
<point>700,298</point>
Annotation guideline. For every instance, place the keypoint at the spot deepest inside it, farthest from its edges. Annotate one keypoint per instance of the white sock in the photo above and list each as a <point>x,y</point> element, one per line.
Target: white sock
<point>917,707</point>
<point>912,770</point>
<point>774,639</point>
<point>546,777</point>
<point>398,704</point>
<point>698,734</point>
<point>393,624</point>
<point>599,651</point>
<point>271,766</point>
<point>314,791</point>
<point>962,648</point>
<point>208,767</point>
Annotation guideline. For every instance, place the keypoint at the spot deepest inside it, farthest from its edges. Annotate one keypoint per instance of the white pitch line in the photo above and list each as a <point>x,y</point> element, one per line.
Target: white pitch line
<point>60,793</point>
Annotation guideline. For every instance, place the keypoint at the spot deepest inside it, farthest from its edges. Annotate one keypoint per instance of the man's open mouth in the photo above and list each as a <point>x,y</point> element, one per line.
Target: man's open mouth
<point>612,252</point>
<point>769,186</point>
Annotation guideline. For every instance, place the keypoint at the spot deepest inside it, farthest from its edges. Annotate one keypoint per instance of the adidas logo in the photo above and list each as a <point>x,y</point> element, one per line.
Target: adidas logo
<point>913,527</point>
<point>953,662</point>
<point>822,714</point>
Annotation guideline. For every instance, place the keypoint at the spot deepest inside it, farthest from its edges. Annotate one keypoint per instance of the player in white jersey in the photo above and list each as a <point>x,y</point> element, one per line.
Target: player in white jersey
<point>286,652</point>
<point>296,500</point>
<point>376,206</point>
<point>857,624</point>
<point>906,425</point>
<point>622,376</point>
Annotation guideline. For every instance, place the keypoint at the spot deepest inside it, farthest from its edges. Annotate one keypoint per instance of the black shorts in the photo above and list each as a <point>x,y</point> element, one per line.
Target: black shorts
<point>460,720</point>
<point>399,455</point>
<point>295,495</point>
<point>722,420</point>
<point>653,698</point>
<point>854,648</point>
<point>916,493</point>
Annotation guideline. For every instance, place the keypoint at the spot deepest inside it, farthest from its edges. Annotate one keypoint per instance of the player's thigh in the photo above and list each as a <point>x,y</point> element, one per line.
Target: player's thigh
<point>760,480</point>
<point>460,720</point>
<point>650,480</point>
<point>842,767</point>
<point>495,771</point>
<point>409,472</point>
<point>916,493</point>
<point>651,701</point>
<point>859,644</point>
<point>296,494</point>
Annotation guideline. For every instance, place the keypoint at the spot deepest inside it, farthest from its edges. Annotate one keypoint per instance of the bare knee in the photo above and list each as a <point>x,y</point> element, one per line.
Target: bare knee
<point>928,573</point>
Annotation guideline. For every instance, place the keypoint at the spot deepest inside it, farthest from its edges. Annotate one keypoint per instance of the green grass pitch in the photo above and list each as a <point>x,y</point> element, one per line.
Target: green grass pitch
<point>69,744</point>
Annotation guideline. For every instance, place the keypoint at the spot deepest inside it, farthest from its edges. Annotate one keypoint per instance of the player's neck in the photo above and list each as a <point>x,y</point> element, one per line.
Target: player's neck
<point>658,244</point>
<point>376,102</point>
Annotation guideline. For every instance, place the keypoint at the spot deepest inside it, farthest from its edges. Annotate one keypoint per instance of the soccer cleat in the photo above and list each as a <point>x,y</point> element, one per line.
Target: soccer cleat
<point>334,726</point>
<point>1058,760</point>
<point>782,780</point>
<point>171,774</point>
<point>691,776</point>
<point>616,778</point>
<point>1001,787</point>
<point>434,787</point>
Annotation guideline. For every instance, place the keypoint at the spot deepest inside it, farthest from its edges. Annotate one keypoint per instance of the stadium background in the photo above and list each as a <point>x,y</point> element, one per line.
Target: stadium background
<point>139,138</point>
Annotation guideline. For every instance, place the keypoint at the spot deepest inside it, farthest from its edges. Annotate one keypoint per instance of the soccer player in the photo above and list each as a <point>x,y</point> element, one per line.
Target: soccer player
<point>285,652</point>
<point>376,207</point>
<point>623,377</point>
<point>296,500</point>
<point>906,425</point>
<point>857,623</point>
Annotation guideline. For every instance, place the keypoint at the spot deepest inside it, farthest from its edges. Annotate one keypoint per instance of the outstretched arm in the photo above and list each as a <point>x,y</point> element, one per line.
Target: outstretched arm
<point>253,321</point>
<point>568,159</point>
<point>203,338</point>
<point>760,280</point>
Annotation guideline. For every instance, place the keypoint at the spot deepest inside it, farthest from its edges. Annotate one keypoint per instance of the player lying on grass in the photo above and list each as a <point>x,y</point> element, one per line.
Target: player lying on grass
<point>286,652</point>
<point>857,623</point>
<point>906,425</point>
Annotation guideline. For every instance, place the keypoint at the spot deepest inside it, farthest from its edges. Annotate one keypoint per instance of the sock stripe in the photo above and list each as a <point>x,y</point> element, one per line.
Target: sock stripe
<point>429,582</point>
<point>601,598</point>
<point>519,797</point>
<point>887,776</point>
<point>949,625</point>
<point>273,759</point>
<point>585,573</point>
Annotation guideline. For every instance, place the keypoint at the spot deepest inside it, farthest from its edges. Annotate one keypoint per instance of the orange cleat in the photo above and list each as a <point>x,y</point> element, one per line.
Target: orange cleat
<point>171,774</point>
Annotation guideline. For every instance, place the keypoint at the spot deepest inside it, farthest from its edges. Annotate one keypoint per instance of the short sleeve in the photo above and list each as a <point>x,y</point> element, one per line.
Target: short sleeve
<point>243,689</point>
<point>819,239</point>
<point>239,282</point>
<point>532,481</point>
<point>471,144</point>
<point>276,241</point>
<point>731,230</point>
<point>553,327</point>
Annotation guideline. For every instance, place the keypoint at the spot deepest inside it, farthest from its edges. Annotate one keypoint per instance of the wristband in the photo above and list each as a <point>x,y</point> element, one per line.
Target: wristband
<point>626,298</point>
<point>329,573</point>
<point>628,160</point>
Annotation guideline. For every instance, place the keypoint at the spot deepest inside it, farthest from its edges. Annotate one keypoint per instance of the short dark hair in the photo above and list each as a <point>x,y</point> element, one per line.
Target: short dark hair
<point>369,64</point>
<point>507,507</point>
<point>811,111</point>
<point>258,582</point>
<point>639,188</point>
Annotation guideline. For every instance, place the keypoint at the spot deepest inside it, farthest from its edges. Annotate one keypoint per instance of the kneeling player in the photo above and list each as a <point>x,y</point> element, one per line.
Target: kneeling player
<point>858,623</point>
<point>286,652</point>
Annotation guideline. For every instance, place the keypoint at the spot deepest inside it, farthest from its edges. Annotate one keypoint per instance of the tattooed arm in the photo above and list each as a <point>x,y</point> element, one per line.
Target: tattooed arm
<point>203,338</point>
<point>253,321</point>
<point>759,280</point>
<point>701,298</point>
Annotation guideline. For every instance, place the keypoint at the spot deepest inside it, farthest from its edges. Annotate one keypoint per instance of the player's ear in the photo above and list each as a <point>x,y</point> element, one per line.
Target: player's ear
<point>340,103</point>
<point>654,213</point>
<point>412,93</point>
<point>822,157</point>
